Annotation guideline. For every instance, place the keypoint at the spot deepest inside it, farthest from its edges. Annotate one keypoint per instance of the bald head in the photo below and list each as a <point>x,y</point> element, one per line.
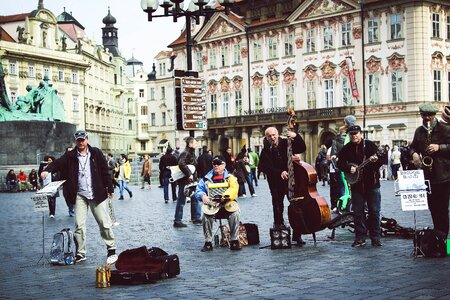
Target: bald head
<point>271,134</point>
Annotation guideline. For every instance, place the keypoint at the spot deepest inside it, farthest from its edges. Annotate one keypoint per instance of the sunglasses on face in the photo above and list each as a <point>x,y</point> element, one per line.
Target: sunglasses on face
<point>354,133</point>
<point>217,163</point>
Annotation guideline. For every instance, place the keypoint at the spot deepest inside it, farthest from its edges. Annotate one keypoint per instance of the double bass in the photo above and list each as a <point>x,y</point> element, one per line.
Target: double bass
<point>308,212</point>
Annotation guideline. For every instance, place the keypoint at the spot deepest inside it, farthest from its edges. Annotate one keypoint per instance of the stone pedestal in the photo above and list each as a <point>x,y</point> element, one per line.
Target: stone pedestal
<point>26,142</point>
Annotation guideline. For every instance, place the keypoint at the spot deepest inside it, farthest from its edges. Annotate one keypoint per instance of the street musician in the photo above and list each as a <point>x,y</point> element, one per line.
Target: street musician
<point>218,190</point>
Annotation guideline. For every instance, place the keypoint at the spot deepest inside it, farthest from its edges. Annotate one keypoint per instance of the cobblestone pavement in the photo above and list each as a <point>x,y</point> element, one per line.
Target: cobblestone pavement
<point>329,269</point>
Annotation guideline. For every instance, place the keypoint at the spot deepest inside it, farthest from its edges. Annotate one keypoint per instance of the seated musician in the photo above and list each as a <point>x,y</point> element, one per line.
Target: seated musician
<point>218,190</point>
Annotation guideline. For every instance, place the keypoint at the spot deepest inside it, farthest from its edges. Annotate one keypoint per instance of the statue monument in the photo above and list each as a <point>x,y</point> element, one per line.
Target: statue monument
<point>33,126</point>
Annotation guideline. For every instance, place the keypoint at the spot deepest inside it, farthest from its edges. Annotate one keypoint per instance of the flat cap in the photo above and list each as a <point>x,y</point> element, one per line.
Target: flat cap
<point>80,135</point>
<point>354,129</point>
<point>428,108</point>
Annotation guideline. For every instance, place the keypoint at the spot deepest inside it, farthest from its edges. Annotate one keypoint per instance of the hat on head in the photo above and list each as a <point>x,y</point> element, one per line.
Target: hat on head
<point>446,115</point>
<point>218,159</point>
<point>428,108</point>
<point>350,120</point>
<point>80,135</point>
<point>354,129</point>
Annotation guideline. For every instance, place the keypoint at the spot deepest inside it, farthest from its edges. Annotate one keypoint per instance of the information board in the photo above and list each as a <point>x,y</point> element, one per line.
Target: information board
<point>193,101</point>
<point>40,202</point>
<point>411,180</point>
<point>414,200</point>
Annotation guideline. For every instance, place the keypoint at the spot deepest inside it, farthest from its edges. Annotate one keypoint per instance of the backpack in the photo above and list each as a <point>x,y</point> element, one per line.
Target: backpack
<point>63,248</point>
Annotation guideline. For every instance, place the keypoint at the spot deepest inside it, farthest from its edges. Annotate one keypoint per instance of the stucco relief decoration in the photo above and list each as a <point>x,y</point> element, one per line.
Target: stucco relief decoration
<point>204,59</point>
<point>244,52</point>
<point>257,80</point>
<point>237,83</point>
<point>344,69</point>
<point>220,28</point>
<point>288,76</point>
<point>396,107</point>
<point>273,76</point>
<point>324,7</point>
<point>373,65</point>
<point>357,33</point>
<point>437,61</point>
<point>328,70</point>
<point>212,86</point>
<point>299,42</point>
<point>396,62</point>
<point>310,72</point>
<point>225,84</point>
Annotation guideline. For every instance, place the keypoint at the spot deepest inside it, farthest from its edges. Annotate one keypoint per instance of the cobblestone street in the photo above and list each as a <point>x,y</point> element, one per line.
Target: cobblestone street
<point>331,269</point>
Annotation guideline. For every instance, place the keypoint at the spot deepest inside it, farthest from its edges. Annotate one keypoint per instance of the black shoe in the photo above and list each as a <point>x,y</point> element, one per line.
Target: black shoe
<point>376,243</point>
<point>121,198</point>
<point>207,247</point>
<point>131,194</point>
<point>359,243</point>
<point>167,201</point>
<point>197,221</point>
<point>179,224</point>
<point>299,242</point>
<point>79,258</point>
<point>235,245</point>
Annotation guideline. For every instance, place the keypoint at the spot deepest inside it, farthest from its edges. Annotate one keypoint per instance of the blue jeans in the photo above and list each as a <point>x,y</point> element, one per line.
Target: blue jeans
<point>12,184</point>
<point>253,176</point>
<point>123,185</point>
<point>166,177</point>
<point>373,199</point>
<point>196,209</point>
<point>250,184</point>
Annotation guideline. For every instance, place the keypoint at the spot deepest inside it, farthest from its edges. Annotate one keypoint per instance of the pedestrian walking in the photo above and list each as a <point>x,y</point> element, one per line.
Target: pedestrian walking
<point>146,172</point>
<point>166,161</point>
<point>123,171</point>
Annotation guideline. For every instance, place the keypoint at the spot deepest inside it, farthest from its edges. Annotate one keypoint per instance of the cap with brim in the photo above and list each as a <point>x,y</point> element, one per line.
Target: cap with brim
<point>354,129</point>
<point>80,135</point>
<point>218,160</point>
<point>428,108</point>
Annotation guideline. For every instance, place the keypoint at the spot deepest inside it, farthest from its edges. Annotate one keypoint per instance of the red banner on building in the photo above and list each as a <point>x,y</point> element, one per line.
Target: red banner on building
<point>351,75</point>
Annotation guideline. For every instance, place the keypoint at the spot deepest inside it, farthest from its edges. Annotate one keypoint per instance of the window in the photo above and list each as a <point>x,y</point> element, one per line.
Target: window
<point>143,146</point>
<point>163,92</point>
<point>257,50</point>
<point>346,34</point>
<point>290,91</point>
<point>311,93</point>
<point>224,56</point>
<point>31,71</point>
<point>46,72</point>
<point>130,124</point>
<point>76,104</point>
<point>12,68</point>
<point>153,119</point>
<point>258,99</point>
<point>327,38</point>
<point>310,41</point>
<point>164,119</point>
<point>141,93</point>
<point>396,26</point>
<point>213,106</point>
<point>372,30</point>
<point>13,98</point>
<point>152,93</point>
<point>144,128</point>
<point>144,110</point>
<point>75,78</point>
<point>329,92</point>
<point>162,69</point>
<point>237,54</point>
<point>347,99</point>
<point>273,96</point>
<point>448,27</point>
<point>238,102</point>
<point>397,86</point>
<point>226,104</point>
<point>435,24</point>
<point>60,75</point>
<point>199,61</point>
<point>374,88</point>
<point>212,58</point>
<point>289,44</point>
<point>437,85</point>
<point>273,47</point>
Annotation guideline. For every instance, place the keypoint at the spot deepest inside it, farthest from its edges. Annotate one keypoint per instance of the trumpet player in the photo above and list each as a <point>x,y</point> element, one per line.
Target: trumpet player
<point>430,151</point>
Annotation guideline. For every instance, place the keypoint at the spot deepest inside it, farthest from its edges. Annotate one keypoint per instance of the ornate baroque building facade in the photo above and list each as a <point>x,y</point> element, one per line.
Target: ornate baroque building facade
<point>90,78</point>
<point>267,56</point>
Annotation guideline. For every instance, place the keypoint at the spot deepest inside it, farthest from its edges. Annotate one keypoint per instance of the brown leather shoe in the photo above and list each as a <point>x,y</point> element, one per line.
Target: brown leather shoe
<point>235,245</point>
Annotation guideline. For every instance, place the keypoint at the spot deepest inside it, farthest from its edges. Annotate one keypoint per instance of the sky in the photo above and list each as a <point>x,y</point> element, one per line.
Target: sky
<point>137,36</point>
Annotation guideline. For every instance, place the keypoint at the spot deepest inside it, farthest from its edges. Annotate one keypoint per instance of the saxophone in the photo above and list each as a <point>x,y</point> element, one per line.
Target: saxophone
<point>427,161</point>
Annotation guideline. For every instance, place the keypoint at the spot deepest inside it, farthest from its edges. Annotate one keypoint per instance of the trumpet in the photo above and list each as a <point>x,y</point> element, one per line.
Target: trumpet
<point>427,161</point>
<point>112,215</point>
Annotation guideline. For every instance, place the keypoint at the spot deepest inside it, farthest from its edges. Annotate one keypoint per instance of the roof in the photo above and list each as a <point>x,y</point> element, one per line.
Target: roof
<point>134,61</point>
<point>13,18</point>
<point>71,30</point>
<point>4,36</point>
<point>65,18</point>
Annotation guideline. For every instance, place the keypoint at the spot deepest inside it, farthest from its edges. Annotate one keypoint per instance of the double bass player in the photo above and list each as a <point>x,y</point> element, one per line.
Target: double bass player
<point>274,163</point>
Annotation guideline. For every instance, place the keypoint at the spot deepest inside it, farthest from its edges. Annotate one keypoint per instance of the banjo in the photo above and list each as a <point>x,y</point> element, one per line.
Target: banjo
<point>218,200</point>
<point>355,177</point>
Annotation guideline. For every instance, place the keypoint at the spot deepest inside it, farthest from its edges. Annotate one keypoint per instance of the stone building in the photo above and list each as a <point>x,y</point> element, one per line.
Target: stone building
<point>267,56</point>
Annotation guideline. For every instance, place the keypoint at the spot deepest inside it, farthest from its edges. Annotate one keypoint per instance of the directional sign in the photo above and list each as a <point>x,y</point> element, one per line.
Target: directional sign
<point>193,103</point>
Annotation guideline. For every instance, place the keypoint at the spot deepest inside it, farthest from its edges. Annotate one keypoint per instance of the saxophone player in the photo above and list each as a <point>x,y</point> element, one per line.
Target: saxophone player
<point>430,150</point>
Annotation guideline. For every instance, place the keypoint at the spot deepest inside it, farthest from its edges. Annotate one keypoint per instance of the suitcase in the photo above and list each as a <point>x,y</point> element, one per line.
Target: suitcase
<point>252,233</point>
<point>132,278</point>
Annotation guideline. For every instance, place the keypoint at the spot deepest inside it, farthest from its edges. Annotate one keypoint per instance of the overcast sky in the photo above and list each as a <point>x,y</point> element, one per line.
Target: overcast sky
<point>136,35</point>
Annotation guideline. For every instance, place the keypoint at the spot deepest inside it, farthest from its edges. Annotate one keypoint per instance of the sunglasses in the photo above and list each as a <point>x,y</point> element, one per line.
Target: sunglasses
<point>217,163</point>
<point>354,133</point>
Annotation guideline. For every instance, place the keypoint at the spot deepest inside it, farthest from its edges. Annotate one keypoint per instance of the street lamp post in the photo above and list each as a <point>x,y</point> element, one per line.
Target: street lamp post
<point>174,8</point>
<point>361,4</point>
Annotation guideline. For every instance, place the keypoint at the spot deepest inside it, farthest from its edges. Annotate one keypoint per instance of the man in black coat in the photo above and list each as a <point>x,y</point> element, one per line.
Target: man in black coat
<point>204,163</point>
<point>88,185</point>
<point>168,160</point>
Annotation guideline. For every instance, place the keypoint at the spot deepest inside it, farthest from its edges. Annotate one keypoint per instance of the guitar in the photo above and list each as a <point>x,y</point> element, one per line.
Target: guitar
<point>177,174</point>
<point>355,177</point>
<point>218,200</point>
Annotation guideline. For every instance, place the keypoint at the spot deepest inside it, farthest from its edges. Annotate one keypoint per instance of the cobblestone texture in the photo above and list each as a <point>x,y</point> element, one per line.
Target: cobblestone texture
<point>327,270</point>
